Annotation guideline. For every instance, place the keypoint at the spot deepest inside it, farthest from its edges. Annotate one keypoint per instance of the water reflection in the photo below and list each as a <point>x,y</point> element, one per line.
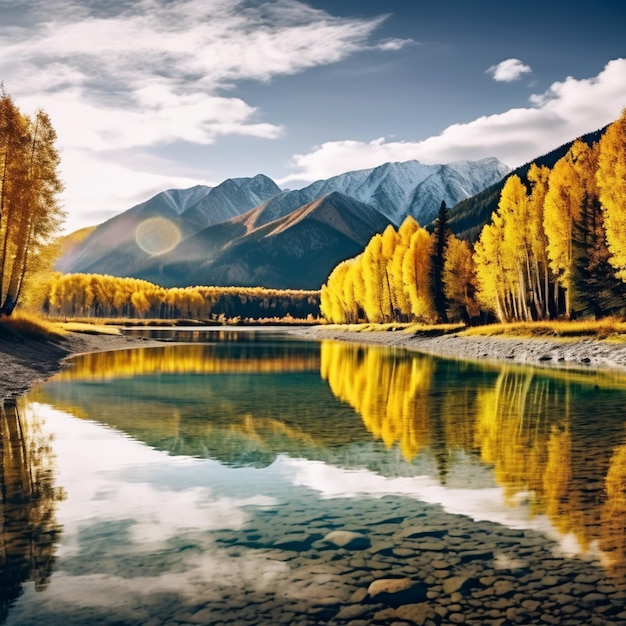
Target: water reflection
<point>242,404</point>
<point>553,439</point>
<point>28,498</point>
<point>256,450</point>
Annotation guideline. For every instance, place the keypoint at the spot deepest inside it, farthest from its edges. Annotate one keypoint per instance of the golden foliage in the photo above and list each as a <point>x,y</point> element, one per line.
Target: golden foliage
<point>611,180</point>
<point>528,262</point>
<point>531,426</point>
<point>390,393</point>
<point>195,359</point>
<point>30,214</point>
<point>101,296</point>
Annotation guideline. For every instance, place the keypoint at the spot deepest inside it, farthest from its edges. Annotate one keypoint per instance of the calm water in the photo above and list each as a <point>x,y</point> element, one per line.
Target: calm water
<point>247,477</point>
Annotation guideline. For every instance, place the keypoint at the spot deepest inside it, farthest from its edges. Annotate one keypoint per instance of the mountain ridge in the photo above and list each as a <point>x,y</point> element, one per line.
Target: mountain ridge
<point>200,227</point>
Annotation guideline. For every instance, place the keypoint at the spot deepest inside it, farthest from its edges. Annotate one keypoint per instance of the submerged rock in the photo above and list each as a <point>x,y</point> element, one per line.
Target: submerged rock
<point>397,591</point>
<point>347,539</point>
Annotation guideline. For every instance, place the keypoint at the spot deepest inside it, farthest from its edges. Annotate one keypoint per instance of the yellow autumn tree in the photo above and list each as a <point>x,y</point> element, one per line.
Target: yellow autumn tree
<point>611,179</point>
<point>402,301</point>
<point>416,270</point>
<point>516,247</point>
<point>333,305</point>
<point>539,270</point>
<point>390,240</point>
<point>377,301</point>
<point>491,273</point>
<point>459,279</point>
<point>562,209</point>
<point>30,213</point>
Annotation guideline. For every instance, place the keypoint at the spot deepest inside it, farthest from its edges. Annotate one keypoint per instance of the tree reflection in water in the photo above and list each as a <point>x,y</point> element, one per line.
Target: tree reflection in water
<point>556,439</point>
<point>28,497</point>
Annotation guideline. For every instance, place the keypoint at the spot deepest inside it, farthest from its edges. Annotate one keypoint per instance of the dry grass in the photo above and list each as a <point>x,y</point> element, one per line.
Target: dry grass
<point>410,328</point>
<point>119,321</point>
<point>20,326</point>
<point>611,329</point>
<point>608,328</point>
<point>89,328</point>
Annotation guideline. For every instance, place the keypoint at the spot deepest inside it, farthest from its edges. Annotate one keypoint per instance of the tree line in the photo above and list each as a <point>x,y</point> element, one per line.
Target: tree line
<point>102,296</point>
<point>555,247</point>
<point>30,213</point>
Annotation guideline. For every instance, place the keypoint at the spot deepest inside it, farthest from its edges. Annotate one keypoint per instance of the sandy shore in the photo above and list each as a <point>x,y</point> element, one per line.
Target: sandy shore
<point>22,365</point>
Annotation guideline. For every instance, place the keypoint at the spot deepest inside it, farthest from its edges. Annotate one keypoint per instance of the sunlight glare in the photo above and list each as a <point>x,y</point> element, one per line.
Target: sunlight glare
<point>157,235</point>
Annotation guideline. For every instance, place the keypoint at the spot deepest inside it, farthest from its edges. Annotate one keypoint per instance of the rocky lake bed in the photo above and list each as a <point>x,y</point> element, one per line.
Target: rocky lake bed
<point>393,561</point>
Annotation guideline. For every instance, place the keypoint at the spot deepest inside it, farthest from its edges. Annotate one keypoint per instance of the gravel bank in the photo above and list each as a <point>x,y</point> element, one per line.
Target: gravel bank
<point>579,353</point>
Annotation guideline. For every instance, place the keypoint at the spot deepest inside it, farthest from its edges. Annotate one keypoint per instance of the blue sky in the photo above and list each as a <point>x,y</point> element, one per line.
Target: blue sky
<point>147,95</point>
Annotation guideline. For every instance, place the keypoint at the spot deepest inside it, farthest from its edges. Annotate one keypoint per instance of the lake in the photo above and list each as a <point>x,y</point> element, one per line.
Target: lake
<point>252,477</point>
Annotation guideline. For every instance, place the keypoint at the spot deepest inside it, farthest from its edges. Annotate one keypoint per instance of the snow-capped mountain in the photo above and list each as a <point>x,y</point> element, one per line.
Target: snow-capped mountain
<point>396,189</point>
<point>400,189</point>
<point>111,248</point>
<point>213,220</point>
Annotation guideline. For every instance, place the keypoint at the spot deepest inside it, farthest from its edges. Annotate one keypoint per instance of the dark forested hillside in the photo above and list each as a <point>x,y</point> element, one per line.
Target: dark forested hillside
<point>467,217</point>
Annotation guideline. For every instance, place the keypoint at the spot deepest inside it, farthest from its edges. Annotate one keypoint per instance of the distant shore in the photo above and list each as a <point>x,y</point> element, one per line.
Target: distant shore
<point>25,364</point>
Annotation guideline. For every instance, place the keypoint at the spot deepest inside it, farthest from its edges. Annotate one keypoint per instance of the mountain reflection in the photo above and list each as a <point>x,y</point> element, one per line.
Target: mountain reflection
<point>28,497</point>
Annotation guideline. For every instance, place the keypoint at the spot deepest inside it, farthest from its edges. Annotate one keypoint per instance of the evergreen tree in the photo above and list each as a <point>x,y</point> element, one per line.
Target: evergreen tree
<point>598,290</point>
<point>440,235</point>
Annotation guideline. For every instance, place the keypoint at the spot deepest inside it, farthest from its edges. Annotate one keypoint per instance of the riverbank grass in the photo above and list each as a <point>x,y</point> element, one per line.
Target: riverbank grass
<point>609,328</point>
<point>26,326</point>
<point>409,328</point>
<point>89,328</point>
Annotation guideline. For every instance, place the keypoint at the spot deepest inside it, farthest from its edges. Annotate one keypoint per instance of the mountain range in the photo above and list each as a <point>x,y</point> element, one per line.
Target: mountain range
<point>249,232</point>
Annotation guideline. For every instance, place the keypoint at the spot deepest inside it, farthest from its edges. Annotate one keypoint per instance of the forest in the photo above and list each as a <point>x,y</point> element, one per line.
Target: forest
<point>101,296</point>
<point>555,248</point>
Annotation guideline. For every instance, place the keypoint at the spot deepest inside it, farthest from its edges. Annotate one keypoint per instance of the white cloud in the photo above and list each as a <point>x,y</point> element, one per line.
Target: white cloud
<point>116,76</point>
<point>101,187</point>
<point>565,111</point>
<point>509,70</point>
<point>395,44</point>
<point>161,70</point>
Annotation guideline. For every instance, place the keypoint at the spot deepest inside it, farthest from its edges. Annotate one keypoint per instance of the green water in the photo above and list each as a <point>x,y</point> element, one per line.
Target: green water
<point>201,483</point>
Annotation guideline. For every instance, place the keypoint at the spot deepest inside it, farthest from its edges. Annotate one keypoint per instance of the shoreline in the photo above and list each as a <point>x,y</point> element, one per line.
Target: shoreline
<point>26,364</point>
<point>580,353</point>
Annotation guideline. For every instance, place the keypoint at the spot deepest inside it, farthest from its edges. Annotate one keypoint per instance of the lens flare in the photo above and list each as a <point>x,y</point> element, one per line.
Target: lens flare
<point>157,235</point>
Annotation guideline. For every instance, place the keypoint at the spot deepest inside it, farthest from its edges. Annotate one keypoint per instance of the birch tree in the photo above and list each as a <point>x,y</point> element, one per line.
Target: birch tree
<point>30,213</point>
